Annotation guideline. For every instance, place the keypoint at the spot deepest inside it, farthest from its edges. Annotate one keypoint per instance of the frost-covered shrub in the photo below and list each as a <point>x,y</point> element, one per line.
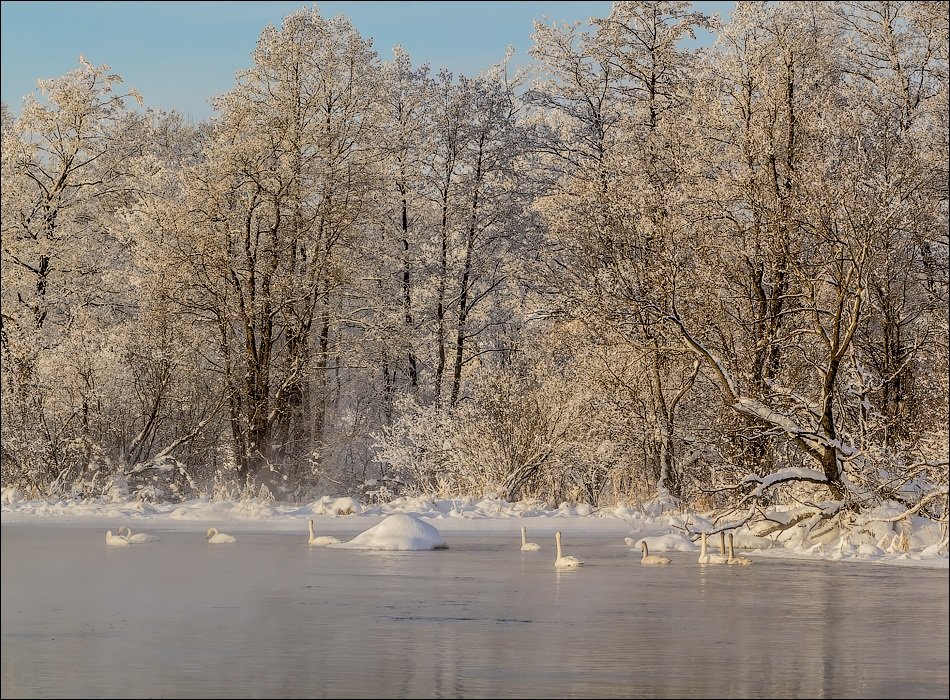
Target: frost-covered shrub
<point>519,434</point>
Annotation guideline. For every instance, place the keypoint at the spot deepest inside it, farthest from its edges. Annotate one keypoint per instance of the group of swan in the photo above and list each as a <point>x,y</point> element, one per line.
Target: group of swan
<point>709,558</point>
<point>723,558</point>
<point>569,562</point>
<point>561,561</point>
<point>138,537</point>
<point>117,540</point>
<point>704,556</point>
<point>214,536</point>
<point>120,540</point>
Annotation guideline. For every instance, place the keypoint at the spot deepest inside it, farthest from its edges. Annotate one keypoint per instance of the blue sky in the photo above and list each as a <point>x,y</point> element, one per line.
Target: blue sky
<point>179,54</point>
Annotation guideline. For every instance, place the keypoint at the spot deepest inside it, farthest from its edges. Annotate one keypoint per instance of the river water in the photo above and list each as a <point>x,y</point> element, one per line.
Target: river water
<point>269,616</point>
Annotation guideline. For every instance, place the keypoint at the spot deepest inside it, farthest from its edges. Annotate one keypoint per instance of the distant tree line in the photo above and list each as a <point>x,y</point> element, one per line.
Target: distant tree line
<point>717,276</point>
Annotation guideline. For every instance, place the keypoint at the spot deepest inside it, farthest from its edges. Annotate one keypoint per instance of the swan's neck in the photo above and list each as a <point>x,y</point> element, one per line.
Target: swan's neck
<point>557,539</point>
<point>646,549</point>
<point>310,526</point>
<point>523,538</point>
<point>702,546</point>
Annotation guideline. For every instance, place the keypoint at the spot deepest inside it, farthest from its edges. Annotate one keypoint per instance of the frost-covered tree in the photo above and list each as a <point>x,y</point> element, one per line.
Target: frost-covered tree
<point>615,105</point>
<point>66,162</point>
<point>738,224</point>
<point>267,218</point>
<point>715,277</point>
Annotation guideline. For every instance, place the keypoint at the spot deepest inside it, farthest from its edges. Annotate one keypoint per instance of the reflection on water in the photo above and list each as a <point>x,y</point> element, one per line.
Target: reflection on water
<point>271,617</point>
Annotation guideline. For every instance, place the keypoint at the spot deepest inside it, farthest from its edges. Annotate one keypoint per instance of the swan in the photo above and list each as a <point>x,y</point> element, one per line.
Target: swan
<point>704,557</point>
<point>528,546</point>
<point>565,562</point>
<point>139,537</point>
<point>215,537</point>
<point>116,540</point>
<point>322,540</point>
<point>652,559</point>
<point>733,559</point>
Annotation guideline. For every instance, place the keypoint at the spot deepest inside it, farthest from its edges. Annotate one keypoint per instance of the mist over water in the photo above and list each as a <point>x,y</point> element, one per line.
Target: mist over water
<point>269,616</point>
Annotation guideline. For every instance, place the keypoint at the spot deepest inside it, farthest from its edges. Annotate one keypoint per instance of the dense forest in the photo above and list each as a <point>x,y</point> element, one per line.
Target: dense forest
<point>717,276</point>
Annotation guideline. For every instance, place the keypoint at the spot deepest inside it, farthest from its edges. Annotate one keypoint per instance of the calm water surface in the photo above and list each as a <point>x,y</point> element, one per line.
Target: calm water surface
<point>271,617</point>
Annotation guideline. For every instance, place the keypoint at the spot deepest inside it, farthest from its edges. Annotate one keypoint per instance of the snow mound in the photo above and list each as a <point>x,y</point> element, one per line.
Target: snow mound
<point>673,542</point>
<point>327,505</point>
<point>401,532</point>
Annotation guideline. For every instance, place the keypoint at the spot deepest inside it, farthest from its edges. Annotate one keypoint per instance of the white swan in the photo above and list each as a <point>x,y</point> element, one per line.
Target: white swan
<point>733,559</point>
<point>215,537</point>
<point>565,562</point>
<point>652,559</point>
<point>321,541</point>
<point>138,537</point>
<point>706,558</point>
<point>117,540</point>
<point>528,546</point>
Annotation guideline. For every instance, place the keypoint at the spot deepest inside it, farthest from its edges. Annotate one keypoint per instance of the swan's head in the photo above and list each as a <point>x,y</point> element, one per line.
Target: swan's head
<point>643,546</point>
<point>212,531</point>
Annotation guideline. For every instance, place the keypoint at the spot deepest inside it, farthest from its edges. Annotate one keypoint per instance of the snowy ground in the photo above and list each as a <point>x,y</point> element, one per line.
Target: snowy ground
<point>911,541</point>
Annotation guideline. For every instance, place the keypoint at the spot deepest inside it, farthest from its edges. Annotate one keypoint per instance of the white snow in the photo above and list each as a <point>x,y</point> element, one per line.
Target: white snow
<point>912,541</point>
<point>399,532</point>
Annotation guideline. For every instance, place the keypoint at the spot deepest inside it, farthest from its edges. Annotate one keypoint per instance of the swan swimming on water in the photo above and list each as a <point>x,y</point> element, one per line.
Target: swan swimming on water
<point>138,537</point>
<point>733,559</point>
<point>116,540</point>
<point>215,537</point>
<point>565,562</point>
<point>321,541</point>
<point>705,557</point>
<point>528,546</point>
<point>652,559</point>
